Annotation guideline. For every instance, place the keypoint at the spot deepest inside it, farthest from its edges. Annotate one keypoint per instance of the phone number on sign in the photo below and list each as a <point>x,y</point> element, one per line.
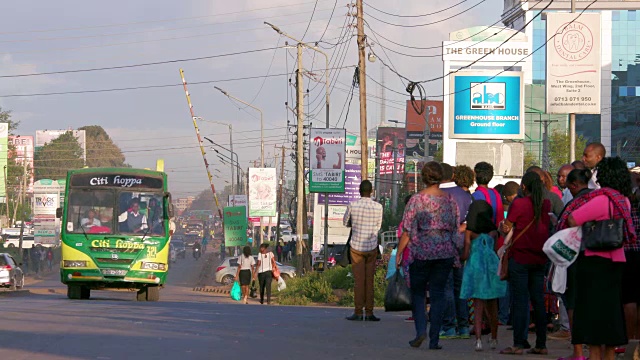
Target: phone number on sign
<point>572,98</point>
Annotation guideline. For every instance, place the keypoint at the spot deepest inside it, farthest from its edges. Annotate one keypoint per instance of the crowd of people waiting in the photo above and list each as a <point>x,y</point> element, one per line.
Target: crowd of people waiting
<point>453,243</point>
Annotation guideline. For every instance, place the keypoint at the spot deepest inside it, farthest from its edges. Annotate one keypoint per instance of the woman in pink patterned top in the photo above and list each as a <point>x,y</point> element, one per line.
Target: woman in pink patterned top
<point>598,315</point>
<point>430,227</point>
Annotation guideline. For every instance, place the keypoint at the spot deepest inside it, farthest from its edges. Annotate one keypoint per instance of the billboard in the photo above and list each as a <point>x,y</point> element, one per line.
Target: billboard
<point>46,136</point>
<point>47,196</point>
<point>433,111</point>
<point>486,106</point>
<point>385,144</point>
<point>23,147</point>
<point>573,63</point>
<point>327,154</point>
<point>4,154</point>
<point>351,193</point>
<point>262,192</point>
<point>235,226</point>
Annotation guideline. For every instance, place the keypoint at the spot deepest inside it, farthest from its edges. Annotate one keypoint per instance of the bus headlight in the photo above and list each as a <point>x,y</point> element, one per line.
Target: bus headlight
<point>153,266</point>
<point>74,263</point>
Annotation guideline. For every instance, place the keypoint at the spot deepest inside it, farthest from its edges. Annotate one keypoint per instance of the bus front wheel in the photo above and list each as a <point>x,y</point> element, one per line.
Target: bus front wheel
<point>148,293</point>
<point>153,293</point>
<point>74,292</point>
<point>141,295</point>
<point>85,293</point>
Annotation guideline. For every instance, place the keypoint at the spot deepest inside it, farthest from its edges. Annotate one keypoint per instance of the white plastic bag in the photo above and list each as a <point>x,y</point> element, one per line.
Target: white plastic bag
<point>563,247</point>
<point>559,280</point>
<point>281,284</point>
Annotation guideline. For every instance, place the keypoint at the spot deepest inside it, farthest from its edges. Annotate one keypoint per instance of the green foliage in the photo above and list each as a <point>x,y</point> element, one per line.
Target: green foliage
<point>54,159</point>
<point>559,144</point>
<point>323,287</point>
<point>439,154</point>
<point>311,288</point>
<point>101,150</point>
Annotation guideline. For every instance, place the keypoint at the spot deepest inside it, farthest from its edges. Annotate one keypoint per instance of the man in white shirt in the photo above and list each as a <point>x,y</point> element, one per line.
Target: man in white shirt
<point>132,219</point>
<point>592,155</point>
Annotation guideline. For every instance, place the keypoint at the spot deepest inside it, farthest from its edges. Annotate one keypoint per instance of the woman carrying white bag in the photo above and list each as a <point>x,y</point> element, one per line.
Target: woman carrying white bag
<point>578,185</point>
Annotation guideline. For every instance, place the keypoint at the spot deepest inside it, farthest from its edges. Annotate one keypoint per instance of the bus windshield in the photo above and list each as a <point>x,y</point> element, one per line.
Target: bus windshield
<point>108,211</point>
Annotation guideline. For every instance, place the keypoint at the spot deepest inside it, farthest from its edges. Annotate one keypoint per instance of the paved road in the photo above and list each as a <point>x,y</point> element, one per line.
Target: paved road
<point>44,324</point>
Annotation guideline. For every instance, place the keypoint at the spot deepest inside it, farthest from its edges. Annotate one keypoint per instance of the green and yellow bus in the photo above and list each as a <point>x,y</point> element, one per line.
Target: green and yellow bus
<point>115,231</point>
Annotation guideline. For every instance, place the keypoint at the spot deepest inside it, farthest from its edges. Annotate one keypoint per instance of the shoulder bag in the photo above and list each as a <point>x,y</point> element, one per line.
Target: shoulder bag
<point>345,259</point>
<point>603,235</point>
<point>503,270</point>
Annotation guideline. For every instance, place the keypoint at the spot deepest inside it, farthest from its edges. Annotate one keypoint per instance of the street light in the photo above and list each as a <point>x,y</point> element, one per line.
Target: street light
<point>261,121</point>
<point>230,141</point>
<point>300,168</point>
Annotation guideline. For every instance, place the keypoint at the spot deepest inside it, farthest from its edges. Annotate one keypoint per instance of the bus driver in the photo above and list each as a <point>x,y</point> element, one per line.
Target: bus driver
<point>132,220</point>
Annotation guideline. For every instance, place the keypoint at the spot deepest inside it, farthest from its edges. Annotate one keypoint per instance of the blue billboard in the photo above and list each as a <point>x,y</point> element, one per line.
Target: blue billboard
<point>487,107</point>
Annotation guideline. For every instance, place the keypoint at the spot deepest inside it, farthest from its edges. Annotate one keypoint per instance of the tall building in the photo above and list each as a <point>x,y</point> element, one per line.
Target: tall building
<point>617,127</point>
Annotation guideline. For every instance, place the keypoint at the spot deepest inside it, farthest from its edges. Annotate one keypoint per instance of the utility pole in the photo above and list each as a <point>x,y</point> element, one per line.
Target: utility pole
<point>572,116</point>
<point>24,195</point>
<point>301,211</point>
<point>280,190</point>
<point>427,135</point>
<point>362,85</point>
<point>545,143</point>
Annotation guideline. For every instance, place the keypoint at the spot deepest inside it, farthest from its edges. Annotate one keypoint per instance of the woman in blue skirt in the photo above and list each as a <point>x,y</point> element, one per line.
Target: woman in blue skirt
<point>480,280</point>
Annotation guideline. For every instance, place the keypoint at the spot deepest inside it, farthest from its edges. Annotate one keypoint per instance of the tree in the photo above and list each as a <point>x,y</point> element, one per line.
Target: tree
<point>15,174</point>
<point>559,144</point>
<point>101,150</point>
<point>559,153</point>
<point>54,159</point>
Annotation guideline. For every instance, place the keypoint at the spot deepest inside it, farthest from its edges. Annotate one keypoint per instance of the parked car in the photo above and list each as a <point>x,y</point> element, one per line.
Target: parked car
<point>11,275</point>
<point>226,272</point>
<point>335,251</point>
<point>13,241</point>
<point>287,235</point>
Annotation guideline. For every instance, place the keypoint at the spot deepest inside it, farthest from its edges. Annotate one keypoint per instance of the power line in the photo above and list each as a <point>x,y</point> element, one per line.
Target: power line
<point>310,20</point>
<point>413,16</point>
<point>153,21</point>
<point>425,24</point>
<point>140,87</point>
<point>139,65</point>
<point>440,46</point>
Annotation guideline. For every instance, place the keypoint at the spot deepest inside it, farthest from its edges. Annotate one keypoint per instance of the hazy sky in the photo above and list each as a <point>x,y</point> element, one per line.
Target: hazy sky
<point>43,36</point>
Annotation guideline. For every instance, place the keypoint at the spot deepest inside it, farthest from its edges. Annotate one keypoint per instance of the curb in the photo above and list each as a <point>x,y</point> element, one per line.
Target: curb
<point>15,293</point>
<point>211,289</point>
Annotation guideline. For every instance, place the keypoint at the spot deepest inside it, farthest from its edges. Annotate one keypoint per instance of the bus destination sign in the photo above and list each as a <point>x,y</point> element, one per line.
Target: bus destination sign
<point>116,180</point>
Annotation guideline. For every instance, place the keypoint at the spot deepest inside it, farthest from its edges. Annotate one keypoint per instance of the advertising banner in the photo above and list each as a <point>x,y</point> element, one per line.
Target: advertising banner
<point>327,154</point>
<point>235,226</point>
<point>238,200</point>
<point>386,136</point>
<point>433,111</point>
<point>46,136</point>
<point>486,106</point>
<point>4,153</point>
<point>573,63</point>
<point>44,217</point>
<point>262,192</point>
<point>351,193</point>
<point>23,147</point>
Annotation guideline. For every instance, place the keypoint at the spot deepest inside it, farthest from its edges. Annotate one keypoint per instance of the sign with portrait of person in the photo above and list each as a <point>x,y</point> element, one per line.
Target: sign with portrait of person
<point>262,192</point>
<point>327,156</point>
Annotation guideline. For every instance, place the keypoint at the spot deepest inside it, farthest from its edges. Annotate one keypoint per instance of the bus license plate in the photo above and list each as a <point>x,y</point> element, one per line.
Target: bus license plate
<point>114,272</point>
